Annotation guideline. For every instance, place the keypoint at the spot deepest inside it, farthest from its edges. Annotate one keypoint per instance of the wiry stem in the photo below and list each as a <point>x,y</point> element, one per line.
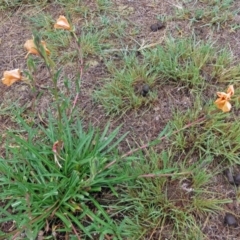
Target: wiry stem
<point>152,175</point>
<point>56,96</point>
<point>80,54</point>
<point>200,120</point>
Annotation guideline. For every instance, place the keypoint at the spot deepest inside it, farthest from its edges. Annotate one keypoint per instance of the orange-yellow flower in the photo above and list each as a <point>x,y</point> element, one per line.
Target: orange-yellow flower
<point>62,23</point>
<point>31,47</point>
<point>10,77</point>
<point>223,99</point>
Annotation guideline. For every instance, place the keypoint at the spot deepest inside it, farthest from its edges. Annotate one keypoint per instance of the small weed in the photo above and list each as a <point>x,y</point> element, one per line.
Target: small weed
<point>113,27</point>
<point>92,43</point>
<point>103,4</point>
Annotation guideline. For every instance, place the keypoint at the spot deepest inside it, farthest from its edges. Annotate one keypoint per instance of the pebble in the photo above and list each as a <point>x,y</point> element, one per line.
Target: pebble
<point>156,26</point>
<point>230,220</point>
<point>145,90</point>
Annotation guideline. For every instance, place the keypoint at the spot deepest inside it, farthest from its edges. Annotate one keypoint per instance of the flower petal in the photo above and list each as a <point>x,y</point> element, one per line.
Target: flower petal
<point>220,103</point>
<point>223,95</point>
<point>227,107</point>
<point>10,77</point>
<point>230,90</point>
<point>223,101</point>
<point>62,23</point>
<point>31,47</point>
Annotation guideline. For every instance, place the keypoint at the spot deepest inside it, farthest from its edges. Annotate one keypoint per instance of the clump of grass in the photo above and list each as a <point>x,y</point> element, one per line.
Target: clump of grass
<point>186,63</point>
<point>6,4</point>
<point>124,90</point>
<point>37,191</point>
<point>92,43</point>
<point>113,26</point>
<point>215,14</point>
<point>170,200</point>
<point>217,136</point>
<point>103,5</point>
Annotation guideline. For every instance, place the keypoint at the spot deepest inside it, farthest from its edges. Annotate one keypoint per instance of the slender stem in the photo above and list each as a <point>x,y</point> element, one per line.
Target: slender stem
<point>56,96</point>
<point>162,138</point>
<point>80,55</point>
<point>152,175</point>
<point>53,74</point>
<point>199,120</point>
<point>76,233</point>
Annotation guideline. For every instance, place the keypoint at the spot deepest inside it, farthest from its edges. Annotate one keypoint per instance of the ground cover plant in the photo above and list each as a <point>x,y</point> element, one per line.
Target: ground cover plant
<point>215,14</point>
<point>119,120</point>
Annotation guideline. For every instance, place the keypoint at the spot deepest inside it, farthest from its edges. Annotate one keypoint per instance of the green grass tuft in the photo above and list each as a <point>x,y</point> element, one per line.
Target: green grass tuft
<point>169,201</point>
<point>216,14</point>
<point>186,63</point>
<point>38,190</point>
<point>124,90</point>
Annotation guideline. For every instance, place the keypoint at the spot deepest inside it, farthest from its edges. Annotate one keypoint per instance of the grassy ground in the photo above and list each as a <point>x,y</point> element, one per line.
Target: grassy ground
<point>115,134</point>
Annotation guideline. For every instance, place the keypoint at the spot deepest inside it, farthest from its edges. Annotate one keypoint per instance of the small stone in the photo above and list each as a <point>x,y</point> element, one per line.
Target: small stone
<point>156,26</point>
<point>145,90</point>
<point>230,220</point>
<point>237,179</point>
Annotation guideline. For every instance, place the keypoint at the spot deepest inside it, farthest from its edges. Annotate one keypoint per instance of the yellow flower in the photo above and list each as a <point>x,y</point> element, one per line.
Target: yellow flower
<point>62,23</point>
<point>10,77</point>
<point>223,99</point>
<point>31,47</point>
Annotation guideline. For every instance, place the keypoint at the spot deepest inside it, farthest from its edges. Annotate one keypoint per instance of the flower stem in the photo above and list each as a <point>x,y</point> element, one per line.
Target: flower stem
<point>80,55</point>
